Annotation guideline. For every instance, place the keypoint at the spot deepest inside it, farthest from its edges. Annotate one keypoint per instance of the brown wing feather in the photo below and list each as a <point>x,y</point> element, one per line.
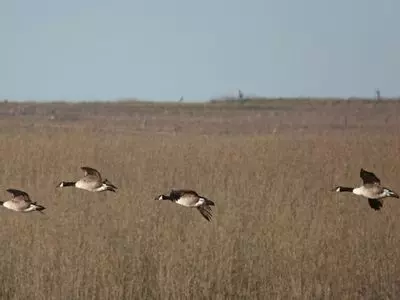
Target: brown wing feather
<point>91,171</point>
<point>375,203</point>
<point>205,212</point>
<point>176,194</point>
<point>369,177</point>
<point>19,195</point>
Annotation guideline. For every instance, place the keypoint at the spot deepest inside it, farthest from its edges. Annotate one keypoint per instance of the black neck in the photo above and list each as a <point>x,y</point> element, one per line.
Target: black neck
<point>68,183</point>
<point>346,189</point>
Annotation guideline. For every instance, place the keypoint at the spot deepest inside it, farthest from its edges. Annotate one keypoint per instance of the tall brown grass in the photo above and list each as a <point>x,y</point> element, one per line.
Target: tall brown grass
<point>278,232</point>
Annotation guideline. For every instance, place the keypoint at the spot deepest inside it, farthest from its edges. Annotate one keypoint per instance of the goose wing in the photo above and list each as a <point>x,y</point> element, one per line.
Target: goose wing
<point>375,203</point>
<point>369,177</point>
<point>91,172</point>
<point>176,194</point>
<point>205,212</point>
<point>19,195</point>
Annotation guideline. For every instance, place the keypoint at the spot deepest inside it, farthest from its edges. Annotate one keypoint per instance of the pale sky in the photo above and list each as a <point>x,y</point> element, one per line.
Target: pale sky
<point>164,49</point>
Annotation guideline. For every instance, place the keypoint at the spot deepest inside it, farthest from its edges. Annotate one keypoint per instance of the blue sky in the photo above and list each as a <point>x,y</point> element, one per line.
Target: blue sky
<point>164,49</point>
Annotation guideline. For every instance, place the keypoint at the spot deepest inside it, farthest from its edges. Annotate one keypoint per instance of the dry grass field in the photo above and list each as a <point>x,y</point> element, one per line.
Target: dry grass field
<point>278,232</point>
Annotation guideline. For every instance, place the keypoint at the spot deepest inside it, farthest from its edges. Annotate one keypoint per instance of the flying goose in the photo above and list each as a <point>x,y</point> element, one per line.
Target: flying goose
<point>370,189</point>
<point>190,198</point>
<point>21,202</point>
<point>91,182</point>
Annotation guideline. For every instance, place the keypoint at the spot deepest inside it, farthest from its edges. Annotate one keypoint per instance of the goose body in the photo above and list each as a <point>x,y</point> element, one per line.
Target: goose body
<point>370,189</point>
<point>190,198</point>
<point>92,182</point>
<point>21,202</point>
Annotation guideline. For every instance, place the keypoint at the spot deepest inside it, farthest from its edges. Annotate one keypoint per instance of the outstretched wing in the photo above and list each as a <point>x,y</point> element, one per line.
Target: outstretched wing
<point>369,177</point>
<point>205,212</point>
<point>176,194</point>
<point>375,203</point>
<point>19,195</point>
<point>91,171</point>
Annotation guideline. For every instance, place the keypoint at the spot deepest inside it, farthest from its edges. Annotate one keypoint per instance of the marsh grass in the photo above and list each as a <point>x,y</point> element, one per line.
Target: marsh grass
<point>278,232</point>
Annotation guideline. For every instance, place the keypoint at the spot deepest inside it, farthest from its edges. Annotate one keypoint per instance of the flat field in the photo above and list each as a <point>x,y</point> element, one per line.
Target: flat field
<point>278,231</point>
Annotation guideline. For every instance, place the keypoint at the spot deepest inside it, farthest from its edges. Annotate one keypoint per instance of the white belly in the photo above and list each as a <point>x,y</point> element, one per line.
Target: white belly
<point>17,206</point>
<point>190,201</point>
<point>185,202</point>
<point>87,185</point>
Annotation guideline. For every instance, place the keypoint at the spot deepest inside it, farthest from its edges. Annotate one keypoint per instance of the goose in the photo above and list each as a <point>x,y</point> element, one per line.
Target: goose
<point>190,198</point>
<point>370,189</point>
<point>21,202</point>
<point>91,182</point>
